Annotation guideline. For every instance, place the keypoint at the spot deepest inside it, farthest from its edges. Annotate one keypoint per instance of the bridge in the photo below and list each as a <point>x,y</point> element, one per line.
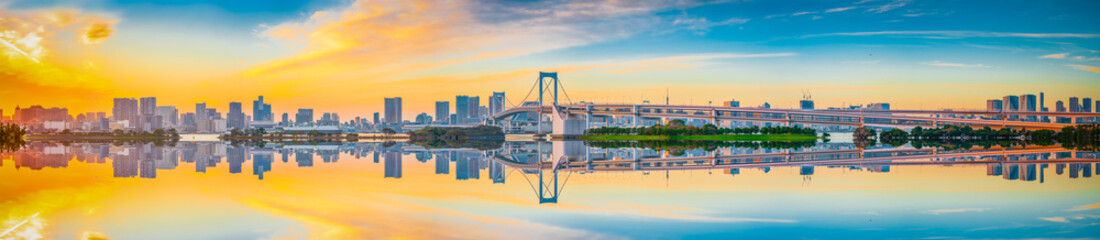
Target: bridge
<point>572,119</point>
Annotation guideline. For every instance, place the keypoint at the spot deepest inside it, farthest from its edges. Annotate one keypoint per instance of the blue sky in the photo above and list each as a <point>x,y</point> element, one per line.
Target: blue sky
<point>914,54</point>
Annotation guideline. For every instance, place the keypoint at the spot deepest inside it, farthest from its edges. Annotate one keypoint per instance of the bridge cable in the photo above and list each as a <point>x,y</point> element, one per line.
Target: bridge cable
<point>533,85</point>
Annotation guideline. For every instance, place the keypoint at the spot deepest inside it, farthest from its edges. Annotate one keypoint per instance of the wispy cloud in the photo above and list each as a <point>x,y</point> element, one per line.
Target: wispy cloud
<point>961,65</point>
<point>956,210</point>
<point>1085,68</point>
<point>701,25</point>
<point>1055,219</point>
<point>839,9</point>
<point>801,13</point>
<point>889,6</point>
<point>959,34</point>
<point>1085,207</point>
<point>1055,56</point>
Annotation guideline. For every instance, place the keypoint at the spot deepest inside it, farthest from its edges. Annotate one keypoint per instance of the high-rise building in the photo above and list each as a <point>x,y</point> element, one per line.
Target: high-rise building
<point>1011,103</point>
<point>304,117</point>
<point>1028,103</point>
<point>1086,105</point>
<point>1059,106</point>
<point>475,107</point>
<point>806,104</point>
<point>462,108</point>
<point>393,110</point>
<point>148,106</point>
<point>261,111</point>
<point>994,105</point>
<point>377,119</point>
<point>442,111</point>
<point>731,103</point>
<point>1074,105</point>
<point>170,115</point>
<point>1042,102</point>
<point>200,112</point>
<point>286,120</point>
<point>496,103</point>
<point>235,118</point>
<point>126,109</point>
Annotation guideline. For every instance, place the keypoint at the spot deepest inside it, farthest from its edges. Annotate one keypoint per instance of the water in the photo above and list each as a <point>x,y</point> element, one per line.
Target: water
<point>214,190</point>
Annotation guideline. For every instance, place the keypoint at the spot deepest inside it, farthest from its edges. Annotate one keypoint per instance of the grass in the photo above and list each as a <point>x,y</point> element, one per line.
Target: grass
<point>746,137</point>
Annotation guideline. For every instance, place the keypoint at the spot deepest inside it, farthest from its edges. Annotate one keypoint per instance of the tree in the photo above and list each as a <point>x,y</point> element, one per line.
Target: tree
<point>388,131</point>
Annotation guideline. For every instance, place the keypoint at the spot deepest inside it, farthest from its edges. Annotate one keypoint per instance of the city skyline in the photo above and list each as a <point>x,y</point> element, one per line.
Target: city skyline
<point>912,54</point>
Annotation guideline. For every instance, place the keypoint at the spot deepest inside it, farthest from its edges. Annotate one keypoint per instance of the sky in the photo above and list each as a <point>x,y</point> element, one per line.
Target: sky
<point>346,56</point>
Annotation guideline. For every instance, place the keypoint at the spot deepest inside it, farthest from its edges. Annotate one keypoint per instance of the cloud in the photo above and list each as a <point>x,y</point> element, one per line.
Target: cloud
<point>1085,68</point>
<point>863,1</point>
<point>889,6</point>
<point>959,34</point>
<point>702,25</point>
<point>1055,56</point>
<point>1085,207</point>
<point>839,9</point>
<point>96,33</point>
<point>957,210</point>
<point>1055,219</point>
<point>944,64</point>
<point>801,13</point>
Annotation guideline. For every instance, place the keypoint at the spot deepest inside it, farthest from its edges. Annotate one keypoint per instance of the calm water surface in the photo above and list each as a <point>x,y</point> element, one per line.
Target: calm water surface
<point>549,190</point>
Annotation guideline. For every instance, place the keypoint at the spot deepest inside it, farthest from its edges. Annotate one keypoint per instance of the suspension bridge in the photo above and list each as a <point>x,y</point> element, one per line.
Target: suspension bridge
<point>569,119</point>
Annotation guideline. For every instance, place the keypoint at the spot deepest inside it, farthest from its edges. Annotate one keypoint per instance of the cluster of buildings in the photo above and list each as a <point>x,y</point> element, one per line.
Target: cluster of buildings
<point>134,114</point>
<point>1033,103</point>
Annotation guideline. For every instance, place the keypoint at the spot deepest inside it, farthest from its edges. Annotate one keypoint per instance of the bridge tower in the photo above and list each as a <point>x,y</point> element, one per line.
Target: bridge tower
<point>542,92</point>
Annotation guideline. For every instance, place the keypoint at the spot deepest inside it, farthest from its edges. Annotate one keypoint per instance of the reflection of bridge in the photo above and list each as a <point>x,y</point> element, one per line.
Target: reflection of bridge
<point>547,159</point>
<point>571,119</point>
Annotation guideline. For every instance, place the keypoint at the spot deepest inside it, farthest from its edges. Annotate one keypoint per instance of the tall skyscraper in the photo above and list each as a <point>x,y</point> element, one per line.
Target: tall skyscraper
<point>286,120</point>
<point>304,117</point>
<point>125,109</point>
<point>261,111</point>
<point>1059,106</point>
<point>200,112</point>
<point>1042,102</point>
<point>1011,103</point>
<point>235,118</point>
<point>1028,103</point>
<point>148,106</point>
<point>475,107</point>
<point>496,103</point>
<point>1086,105</point>
<point>377,119</point>
<point>1074,105</point>
<point>462,108</point>
<point>393,110</point>
<point>994,105</point>
<point>442,111</point>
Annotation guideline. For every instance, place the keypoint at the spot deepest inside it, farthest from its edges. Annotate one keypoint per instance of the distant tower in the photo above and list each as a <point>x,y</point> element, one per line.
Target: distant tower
<point>666,96</point>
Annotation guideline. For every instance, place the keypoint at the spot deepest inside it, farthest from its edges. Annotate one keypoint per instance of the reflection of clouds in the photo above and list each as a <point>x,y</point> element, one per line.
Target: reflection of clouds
<point>956,210</point>
<point>674,213</point>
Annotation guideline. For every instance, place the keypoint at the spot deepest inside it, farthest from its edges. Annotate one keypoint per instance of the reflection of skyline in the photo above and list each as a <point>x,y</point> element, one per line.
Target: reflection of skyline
<point>144,160</point>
